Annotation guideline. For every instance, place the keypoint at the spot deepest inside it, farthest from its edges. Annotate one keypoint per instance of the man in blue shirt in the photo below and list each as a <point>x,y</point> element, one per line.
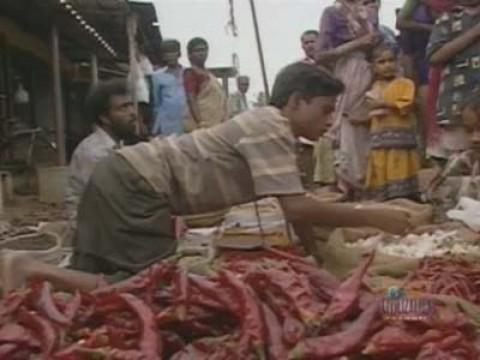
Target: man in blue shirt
<point>169,101</point>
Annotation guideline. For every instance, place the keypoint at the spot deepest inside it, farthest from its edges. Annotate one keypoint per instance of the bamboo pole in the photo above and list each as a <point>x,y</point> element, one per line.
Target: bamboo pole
<point>260,49</point>
<point>132,23</point>
<point>94,68</point>
<point>58,98</point>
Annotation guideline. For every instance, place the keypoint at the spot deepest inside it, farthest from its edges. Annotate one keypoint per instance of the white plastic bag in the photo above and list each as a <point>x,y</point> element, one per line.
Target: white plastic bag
<point>468,212</point>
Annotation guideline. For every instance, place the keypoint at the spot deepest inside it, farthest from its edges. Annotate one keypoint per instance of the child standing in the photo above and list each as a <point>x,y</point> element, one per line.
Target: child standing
<point>393,161</point>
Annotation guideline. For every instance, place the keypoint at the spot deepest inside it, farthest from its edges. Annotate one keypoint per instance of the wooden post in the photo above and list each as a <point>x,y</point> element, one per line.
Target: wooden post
<point>94,68</point>
<point>132,22</point>
<point>58,98</point>
<point>225,84</point>
<point>260,50</point>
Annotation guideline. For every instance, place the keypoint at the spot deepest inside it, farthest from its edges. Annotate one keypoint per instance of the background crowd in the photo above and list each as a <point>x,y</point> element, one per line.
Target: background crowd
<point>407,95</point>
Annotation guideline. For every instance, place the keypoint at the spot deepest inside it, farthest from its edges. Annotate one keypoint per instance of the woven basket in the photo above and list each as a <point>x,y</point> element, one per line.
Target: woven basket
<point>205,220</point>
<point>43,246</point>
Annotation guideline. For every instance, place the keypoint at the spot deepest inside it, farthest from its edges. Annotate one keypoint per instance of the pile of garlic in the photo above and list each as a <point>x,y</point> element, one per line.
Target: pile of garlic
<point>418,246</point>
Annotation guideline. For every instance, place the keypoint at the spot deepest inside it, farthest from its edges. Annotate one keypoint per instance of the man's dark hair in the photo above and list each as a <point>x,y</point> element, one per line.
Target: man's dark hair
<point>309,81</point>
<point>170,45</point>
<point>192,44</point>
<point>98,99</point>
<point>243,77</point>
<point>310,32</point>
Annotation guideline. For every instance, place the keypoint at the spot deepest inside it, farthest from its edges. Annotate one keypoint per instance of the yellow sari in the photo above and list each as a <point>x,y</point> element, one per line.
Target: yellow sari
<point>393,161</point>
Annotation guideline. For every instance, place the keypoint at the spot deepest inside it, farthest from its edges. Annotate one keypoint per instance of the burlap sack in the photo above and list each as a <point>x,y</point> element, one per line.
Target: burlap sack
<point>330,249</point>
<point>340,259</point>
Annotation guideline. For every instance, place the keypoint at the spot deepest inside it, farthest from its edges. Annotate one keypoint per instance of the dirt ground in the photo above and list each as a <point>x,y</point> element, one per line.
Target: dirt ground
<point>26,212</point>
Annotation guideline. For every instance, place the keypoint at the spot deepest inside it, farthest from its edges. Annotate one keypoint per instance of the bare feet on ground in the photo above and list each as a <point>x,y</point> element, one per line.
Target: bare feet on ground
<point>13,272</point>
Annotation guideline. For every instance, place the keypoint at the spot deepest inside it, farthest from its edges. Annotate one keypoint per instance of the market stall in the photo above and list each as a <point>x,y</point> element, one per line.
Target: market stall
<point>266,304</point>
<point>374,297</point>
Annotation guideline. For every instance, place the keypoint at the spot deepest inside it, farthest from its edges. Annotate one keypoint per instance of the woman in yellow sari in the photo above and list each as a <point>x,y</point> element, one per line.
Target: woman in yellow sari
<point>393,161</point>
<point>206,98</point>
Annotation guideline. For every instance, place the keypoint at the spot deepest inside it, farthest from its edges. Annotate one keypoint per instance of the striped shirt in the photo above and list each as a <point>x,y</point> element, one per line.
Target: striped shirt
<point>251,156</point>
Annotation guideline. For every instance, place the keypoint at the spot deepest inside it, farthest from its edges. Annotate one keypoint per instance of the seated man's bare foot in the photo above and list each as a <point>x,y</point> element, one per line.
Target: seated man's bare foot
<point>13,270</point>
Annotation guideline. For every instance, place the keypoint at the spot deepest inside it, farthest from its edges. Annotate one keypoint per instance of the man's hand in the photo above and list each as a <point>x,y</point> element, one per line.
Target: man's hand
<point>391,221</point>
<point>303,209</point>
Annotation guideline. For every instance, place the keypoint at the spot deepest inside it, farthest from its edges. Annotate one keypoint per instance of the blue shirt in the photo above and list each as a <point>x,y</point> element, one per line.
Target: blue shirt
<point>169,102</point>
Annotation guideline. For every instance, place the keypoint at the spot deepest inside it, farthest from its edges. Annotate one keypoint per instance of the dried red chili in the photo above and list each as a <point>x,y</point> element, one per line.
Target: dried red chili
<point>42,328</point>
<point>45,304</point>
<point>16,334</point>
<point>7,350</point>
<point>323,283</point>
<point>293,329</point>
<point>276,349</point>
<point>339,344</point>
<point>172,343</point>
<point>393,341</point>
<point>296,288</point>
<point>79,352</point>
<point>253,331</point>
<point>221,348</point>
<point>12,302</point>
<point>98,338</point>
<point>447,276</point>
<point>454,346</point>
<point>195,313</point>
<point>118,337</point>
<point>149,343</point>
<point>210,294</point>
<point>73,306</point>
<point>347,294</point>
<point>141,281</point>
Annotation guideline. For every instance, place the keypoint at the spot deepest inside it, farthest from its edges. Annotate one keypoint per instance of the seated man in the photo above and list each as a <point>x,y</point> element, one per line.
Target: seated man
<point>110,106</point>
<point>124,218</point>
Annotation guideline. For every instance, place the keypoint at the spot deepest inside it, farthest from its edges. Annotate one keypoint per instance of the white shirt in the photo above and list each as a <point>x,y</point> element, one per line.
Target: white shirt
<point>144,68</point>
<point>88,153</point>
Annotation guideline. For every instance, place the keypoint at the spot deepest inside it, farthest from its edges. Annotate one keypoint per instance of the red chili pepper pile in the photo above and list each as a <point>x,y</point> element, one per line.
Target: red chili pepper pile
<point>259,305</point>
<point>447,276</point>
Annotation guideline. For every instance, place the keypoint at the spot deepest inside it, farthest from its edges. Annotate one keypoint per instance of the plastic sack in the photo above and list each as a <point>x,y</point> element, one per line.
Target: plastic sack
<point>468,212</point>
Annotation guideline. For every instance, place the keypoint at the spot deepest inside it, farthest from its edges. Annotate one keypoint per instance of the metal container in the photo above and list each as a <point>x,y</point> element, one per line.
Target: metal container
<point>52,183</point>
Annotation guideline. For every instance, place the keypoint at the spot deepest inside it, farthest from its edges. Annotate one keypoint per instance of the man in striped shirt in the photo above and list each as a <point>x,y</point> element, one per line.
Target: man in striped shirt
<point>124,218</point>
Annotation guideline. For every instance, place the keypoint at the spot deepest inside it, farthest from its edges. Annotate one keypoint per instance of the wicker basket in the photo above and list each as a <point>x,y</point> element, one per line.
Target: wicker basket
<point>43,246</point>
<point>205,220</point>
